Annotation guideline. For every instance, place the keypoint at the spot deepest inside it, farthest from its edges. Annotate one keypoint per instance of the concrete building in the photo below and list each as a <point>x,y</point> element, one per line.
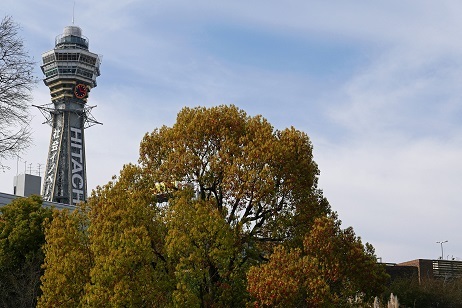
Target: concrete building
<point>26,185</point>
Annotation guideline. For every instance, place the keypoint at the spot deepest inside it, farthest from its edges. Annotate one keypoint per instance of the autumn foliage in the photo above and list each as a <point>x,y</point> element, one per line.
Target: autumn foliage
<point>221,211</point>
<point>332,269</point>
<point>68,260</point>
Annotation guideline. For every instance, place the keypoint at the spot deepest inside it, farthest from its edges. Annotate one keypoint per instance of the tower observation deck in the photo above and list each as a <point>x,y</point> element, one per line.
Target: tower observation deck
<point>70,73</point>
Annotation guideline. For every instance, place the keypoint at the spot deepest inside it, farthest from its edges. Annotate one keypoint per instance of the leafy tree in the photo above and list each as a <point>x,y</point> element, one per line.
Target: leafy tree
<point>201,245</point>
<point>127,271</point>
<point>16,83</point>
<point>333,269</point>
<point>261,182</point>
<point>213,196</point>
<point>279,283</point>
<point>351,266</point>
<point>21,256</point>
<point>68,260</point>
<point>108,252</point>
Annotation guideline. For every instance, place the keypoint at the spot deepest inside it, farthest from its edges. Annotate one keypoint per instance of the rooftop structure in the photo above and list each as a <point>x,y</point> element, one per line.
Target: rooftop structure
<point>26,184</point>
<point>7,198</point>
<point>427,269</point>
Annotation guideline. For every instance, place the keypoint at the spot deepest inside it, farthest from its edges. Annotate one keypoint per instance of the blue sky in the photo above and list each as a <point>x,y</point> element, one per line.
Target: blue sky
<point>377,87</point>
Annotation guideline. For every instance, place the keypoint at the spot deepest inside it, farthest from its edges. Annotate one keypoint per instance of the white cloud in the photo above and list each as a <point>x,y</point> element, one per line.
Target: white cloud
<point>396,191</point>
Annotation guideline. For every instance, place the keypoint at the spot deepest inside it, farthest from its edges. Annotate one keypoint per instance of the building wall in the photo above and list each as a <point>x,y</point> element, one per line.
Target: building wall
<point>424,268</point>
<point>26,185</point>
<point>429,269</point>
<point>401,271</point>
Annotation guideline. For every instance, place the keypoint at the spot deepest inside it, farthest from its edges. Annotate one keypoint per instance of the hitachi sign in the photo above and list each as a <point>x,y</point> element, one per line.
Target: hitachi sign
<point>77,166</point>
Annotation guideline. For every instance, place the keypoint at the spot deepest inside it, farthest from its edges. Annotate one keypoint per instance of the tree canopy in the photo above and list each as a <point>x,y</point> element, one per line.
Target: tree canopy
<point>21,255</point>
<point>263,181</point>
<point>332,269</point>
<point>68,260</point>
<point>215,198</point>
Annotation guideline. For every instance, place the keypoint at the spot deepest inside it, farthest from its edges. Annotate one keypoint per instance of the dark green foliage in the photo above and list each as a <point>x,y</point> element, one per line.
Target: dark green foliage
<point>429,293</point>
<point>21,255</point>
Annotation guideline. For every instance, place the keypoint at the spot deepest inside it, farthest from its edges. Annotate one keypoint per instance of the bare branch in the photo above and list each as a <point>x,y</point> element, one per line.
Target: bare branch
<point>16,83</point>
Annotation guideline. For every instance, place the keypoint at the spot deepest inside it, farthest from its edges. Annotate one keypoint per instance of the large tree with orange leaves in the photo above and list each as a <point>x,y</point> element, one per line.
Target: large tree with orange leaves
<point>212,196</point>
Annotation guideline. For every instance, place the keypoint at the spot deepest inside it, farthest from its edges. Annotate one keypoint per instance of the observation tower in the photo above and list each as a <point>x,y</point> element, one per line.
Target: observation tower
<point>70,72</point>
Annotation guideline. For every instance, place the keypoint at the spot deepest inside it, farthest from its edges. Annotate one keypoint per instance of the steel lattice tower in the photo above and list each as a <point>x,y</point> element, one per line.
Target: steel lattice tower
<point>70,72</point>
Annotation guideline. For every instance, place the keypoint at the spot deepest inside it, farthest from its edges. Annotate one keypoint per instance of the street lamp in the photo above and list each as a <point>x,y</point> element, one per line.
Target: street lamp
<point>442,248</point>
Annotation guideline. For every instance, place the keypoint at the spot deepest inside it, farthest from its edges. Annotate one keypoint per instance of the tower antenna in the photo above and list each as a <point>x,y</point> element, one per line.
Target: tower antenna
<point>73,13</point>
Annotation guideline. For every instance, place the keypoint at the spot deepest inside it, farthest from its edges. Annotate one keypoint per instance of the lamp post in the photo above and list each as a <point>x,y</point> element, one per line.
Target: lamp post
<point>442,248</point>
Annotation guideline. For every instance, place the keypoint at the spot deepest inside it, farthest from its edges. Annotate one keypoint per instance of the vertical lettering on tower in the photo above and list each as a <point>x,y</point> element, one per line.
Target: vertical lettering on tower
<point>50,172</point>
<point>77,166</point>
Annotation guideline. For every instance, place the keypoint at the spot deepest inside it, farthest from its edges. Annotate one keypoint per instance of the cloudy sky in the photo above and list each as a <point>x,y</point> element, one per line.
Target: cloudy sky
<point>376,85</point>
